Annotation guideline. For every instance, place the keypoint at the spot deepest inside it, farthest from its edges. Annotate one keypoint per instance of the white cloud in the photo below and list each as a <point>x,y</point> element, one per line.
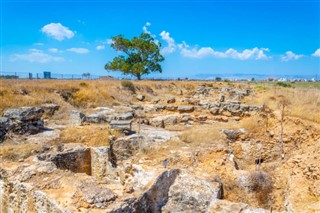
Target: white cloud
<point>290,56</point>
<point>144,28</point>
<point>78,50</point>
<point>254,53</point>
<point>57,31</point>
<point>38,44</point>
<point>316,53</point>
<point>196,52</point>
<point>37,56</point>
<point>171,46</point>
<point>101,47</point>
<point>53,50</point>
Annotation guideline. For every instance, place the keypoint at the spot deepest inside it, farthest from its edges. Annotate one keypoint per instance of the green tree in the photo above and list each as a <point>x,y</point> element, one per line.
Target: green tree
<point>141,55</point>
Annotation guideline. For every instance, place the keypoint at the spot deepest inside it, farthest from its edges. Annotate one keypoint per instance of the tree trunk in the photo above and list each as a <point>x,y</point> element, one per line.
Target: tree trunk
<point>138,76</point>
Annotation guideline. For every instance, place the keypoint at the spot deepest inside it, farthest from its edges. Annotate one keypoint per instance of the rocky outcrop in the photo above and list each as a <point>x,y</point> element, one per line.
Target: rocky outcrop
<point>233,108</point>
<point>24,113</point>
<point>190,194</point>
<point>20,197</point>
<point>102,117</point>
<point>95,118</point>
<point>171,100</point>
<point>24,120</point>
<point>5,125</point>
<point>121,125</point>
<point>225,206</point>
<point>94,195</point>
<point>153,199</point>
<point>50,109</point>
<point>163,120</point>
<point>233,135</point>
<point>125,147</point>
<point>75,160</point>
<point>175,191</point>
<point>100,162</point>
<point>185,108</point>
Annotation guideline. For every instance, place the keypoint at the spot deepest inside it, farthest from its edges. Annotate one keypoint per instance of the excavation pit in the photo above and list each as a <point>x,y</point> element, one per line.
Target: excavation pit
<point>77,160</point>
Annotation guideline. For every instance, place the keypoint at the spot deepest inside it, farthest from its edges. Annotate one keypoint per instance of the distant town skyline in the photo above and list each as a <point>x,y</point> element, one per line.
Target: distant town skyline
<point>199,38</point>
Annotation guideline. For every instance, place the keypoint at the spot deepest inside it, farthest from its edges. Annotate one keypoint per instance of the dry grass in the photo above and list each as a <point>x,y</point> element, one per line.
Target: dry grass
<point>18,151</point>
<point>253,124</point>
<point>87,135</point>
<point>83,94</point>
<point>304,103</point>
<point>201,135</point>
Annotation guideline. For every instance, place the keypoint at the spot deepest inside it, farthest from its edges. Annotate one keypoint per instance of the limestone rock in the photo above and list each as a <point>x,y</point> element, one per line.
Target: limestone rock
<point>77,118</point>
<point>190,194</point>
<point>225,206</point>
<point>99,197</point>
<point>5,125</point>
<point>163,120</point>
<point>126,116</point>
<point>24,113</point>
<point>171,108</point>
<point>140,97</point>
<point>171,100</point>
<point>25,119</point>
<point>140,177</point>
<point>184,118</point>
<point>159,107</point>
<point>214,111</point>
<point>156,100</point>
<point>174,191</point>
<point>222,98</point>
<point>125,147</point>
<point>121,125</point>
<point>77,159</point>
<point>185,108</point>
<point>99,162</point>
<point>95,118</point>
<point>154,198</point>
<point>233,135</point>
<point>50,109</point>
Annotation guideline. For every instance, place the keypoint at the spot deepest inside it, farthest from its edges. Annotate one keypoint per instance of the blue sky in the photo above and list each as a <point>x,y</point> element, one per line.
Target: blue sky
<point>199,38</point>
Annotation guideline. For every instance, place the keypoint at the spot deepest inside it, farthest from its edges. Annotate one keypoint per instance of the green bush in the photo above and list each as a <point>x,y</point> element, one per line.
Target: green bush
<point>128,85</point>
<point>283,84</point>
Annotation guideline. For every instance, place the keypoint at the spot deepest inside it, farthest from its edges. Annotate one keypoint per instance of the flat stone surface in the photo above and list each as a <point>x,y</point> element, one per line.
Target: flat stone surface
<point>121,125</point>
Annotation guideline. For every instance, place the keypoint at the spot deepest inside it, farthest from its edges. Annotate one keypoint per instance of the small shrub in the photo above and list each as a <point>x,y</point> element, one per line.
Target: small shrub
<point>258,182</point>
<point>83,84</point>
<point>128,85</point>
<point>283,84</point>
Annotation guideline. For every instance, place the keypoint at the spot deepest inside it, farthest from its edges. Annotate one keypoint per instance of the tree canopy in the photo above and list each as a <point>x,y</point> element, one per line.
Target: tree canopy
<point>141,55</point>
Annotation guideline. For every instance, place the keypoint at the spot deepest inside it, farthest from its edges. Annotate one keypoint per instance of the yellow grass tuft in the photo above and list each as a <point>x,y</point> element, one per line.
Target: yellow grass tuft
<point>87,135</point>
<point>18,151</point>
<point>201,135</point>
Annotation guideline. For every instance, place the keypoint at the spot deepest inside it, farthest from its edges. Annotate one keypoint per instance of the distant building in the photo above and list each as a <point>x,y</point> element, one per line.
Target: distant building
<point>46,75</point>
